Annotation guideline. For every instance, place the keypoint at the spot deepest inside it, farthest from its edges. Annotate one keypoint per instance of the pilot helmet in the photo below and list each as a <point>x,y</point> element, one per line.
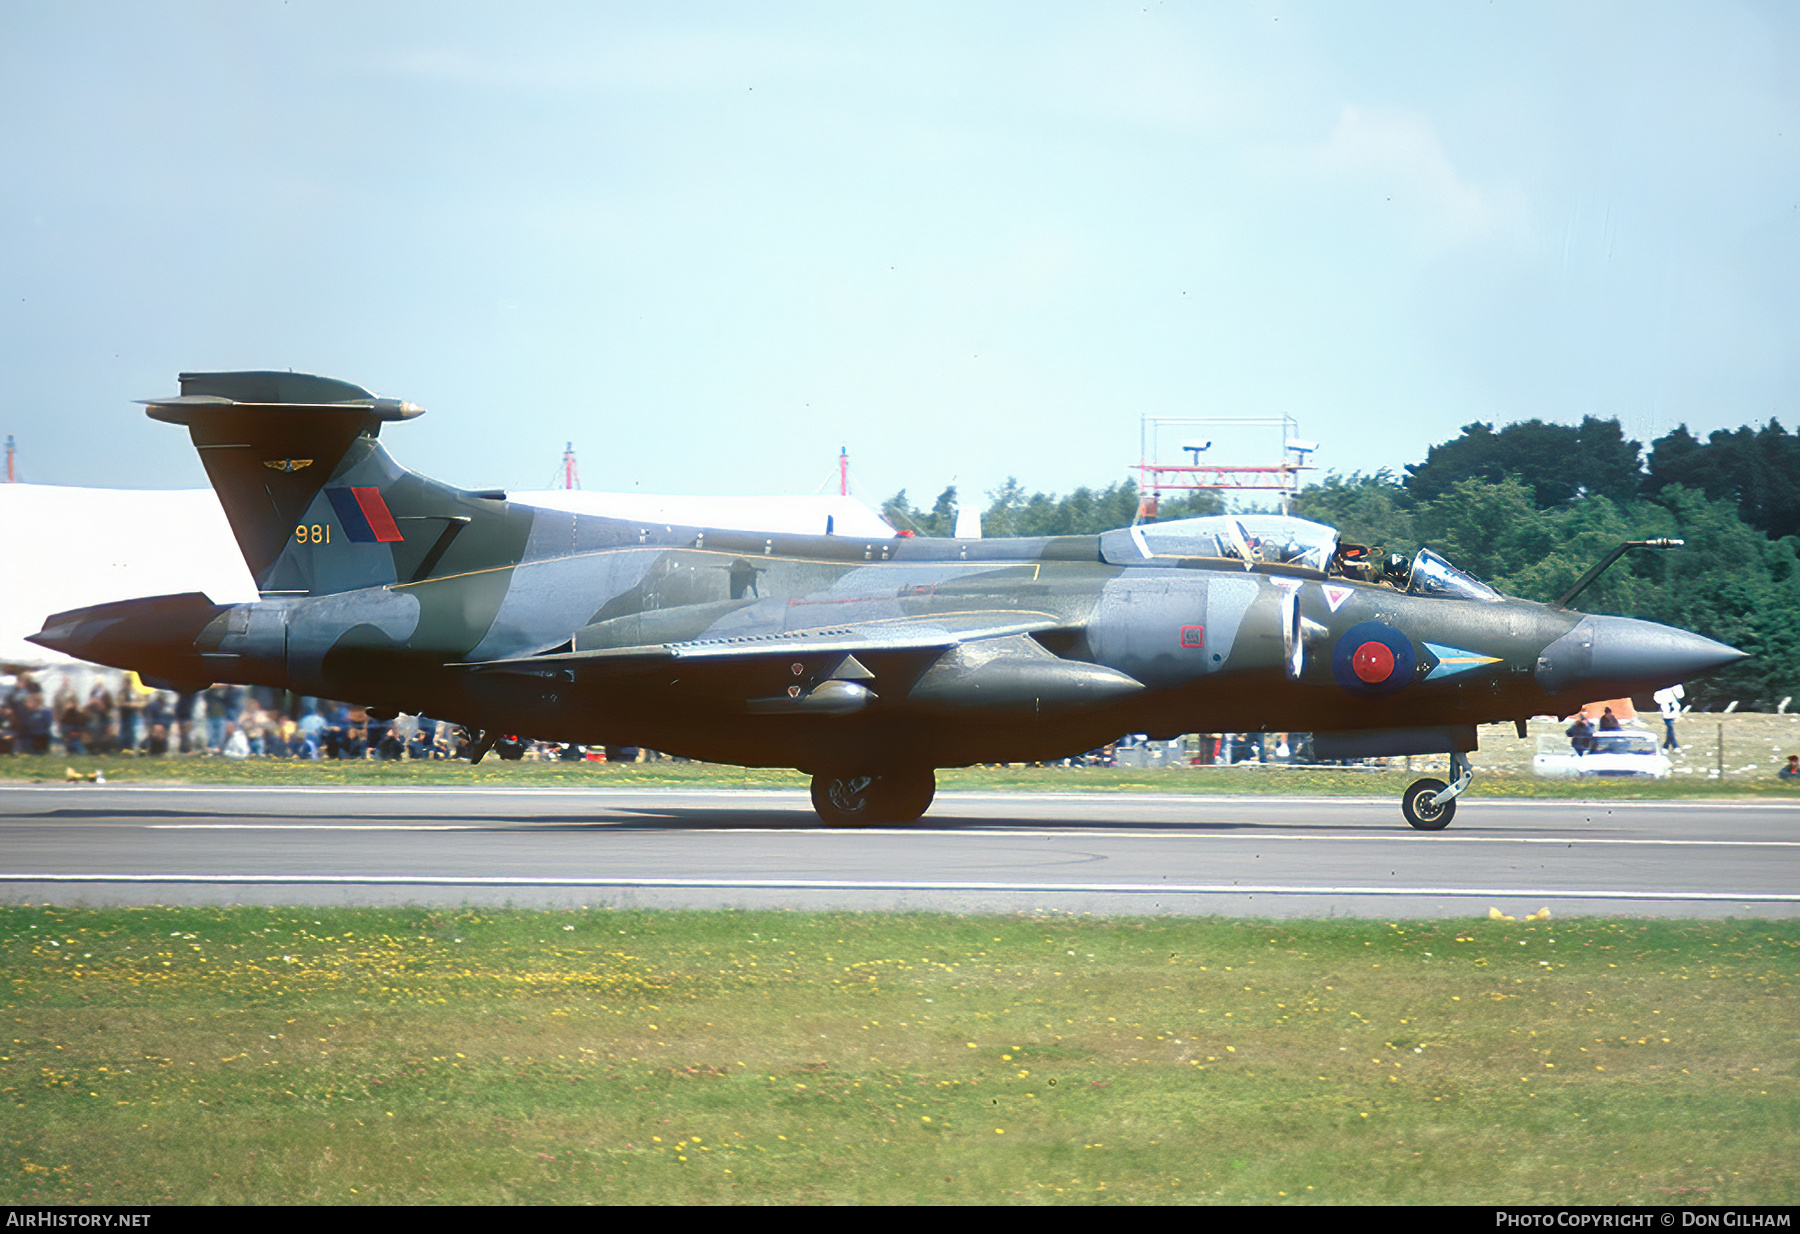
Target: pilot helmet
<point>1395,566</point>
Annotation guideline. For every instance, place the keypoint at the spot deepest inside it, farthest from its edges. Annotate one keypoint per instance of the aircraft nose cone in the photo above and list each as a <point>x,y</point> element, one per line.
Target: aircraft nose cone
<point>1629,654</point>
<point>1625,648</point>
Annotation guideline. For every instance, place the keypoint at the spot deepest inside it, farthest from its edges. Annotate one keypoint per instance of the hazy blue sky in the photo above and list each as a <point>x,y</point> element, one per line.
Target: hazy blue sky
<point>712,243</point>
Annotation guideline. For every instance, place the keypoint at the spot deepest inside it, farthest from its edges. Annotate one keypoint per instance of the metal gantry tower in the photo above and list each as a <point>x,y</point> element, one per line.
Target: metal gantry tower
<point>1156,477</point>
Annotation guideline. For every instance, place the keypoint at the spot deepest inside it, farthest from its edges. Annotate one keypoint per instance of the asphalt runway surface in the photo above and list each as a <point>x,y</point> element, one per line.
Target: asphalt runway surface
<point>974,852</point>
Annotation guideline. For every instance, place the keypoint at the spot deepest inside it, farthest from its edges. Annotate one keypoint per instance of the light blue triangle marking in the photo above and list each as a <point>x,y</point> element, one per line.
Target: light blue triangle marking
<point>1453,660</point>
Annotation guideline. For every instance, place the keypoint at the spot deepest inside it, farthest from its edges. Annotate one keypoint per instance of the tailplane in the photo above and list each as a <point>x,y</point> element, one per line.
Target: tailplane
<point>316,504</point>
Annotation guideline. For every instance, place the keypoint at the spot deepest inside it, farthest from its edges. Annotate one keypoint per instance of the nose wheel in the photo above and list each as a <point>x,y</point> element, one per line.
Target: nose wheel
<point>870,800</point>
<point>1428,804</point>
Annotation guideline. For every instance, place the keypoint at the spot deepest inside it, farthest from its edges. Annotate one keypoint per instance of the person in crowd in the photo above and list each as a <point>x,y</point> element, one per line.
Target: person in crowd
<point>102,736</point>
<point>375,735</point>
<point>72,720</point>
<point>251,722</point>
<point>235,745</point>
<point>34,723</point>
<point>311,734</point>
<point>286,739</point>
<point>1791,771</point>
<point>131,714</point>
<point>1580,733</point>
<point>156,715</point>
<point>217,702</point>
<point>1668,702</point>
<point>392,747</point>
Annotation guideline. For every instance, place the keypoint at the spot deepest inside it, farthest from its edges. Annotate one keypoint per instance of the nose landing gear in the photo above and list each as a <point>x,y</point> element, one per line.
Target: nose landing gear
<point>1428,804</point>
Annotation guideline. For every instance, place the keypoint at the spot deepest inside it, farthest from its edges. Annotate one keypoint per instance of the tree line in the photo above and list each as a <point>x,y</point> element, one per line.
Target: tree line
<point>1528,508</point>
<point>1011,511</point>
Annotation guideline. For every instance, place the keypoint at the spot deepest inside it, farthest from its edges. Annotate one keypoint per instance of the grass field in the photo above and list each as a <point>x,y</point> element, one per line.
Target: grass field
<point>406,1056</point>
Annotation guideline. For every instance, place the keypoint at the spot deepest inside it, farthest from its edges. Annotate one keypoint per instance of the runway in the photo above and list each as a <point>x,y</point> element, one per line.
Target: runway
<point>974,852</point>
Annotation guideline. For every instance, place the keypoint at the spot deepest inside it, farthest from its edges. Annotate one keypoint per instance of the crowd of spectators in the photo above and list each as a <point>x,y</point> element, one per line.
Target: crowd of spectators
<point>119,715</point>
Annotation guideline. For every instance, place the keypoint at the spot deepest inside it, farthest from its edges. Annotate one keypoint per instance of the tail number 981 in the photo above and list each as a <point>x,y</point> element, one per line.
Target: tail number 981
<point>317,533</point>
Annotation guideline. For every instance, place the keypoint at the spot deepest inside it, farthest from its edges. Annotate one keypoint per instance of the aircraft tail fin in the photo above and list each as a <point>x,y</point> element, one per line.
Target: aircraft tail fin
<point>316,504</point>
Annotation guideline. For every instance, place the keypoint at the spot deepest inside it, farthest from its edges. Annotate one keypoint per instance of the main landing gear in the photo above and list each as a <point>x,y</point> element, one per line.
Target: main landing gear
<point>870,800</point>
<point>1429,805</point>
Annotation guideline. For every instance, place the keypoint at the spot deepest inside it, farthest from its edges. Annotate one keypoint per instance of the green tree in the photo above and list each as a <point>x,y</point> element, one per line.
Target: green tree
<point>1084,512</point>
<point>940,520</point>
<point>1367,510</point>
<point>1559,462</point>
<point>1757,469</point>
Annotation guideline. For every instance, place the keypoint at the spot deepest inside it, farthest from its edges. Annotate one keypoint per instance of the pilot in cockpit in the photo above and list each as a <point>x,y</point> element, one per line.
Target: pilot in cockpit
<point>1396,571</point>
<point>1351,561</point>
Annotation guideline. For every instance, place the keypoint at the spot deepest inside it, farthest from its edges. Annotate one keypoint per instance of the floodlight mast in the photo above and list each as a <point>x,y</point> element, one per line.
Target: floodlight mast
<point>1156,477</point>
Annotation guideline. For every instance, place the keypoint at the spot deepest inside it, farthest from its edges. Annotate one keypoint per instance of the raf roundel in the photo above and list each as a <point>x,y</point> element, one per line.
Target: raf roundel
<point>1373,658</point>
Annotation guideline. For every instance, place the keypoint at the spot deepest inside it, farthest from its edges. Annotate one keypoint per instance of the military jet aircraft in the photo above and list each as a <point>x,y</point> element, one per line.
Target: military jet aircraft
<point>867,663</point>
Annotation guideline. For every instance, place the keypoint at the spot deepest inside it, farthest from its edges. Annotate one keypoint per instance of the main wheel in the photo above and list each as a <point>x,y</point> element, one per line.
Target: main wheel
<point>906,794</point>
<point>1416,804</point>
<point>864,801</point>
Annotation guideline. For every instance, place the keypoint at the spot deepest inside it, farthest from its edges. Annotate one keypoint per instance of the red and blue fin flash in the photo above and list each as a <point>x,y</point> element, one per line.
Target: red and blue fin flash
<point>364,516</point>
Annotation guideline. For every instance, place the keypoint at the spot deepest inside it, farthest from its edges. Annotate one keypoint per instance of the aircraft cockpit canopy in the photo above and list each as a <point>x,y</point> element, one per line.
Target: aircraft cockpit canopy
<point>1433,576</point>
<point>1255,539</point>
<point>1277,540</point>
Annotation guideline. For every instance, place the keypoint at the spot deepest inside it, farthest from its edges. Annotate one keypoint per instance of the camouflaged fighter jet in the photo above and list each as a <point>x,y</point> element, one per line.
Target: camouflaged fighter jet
<point>866,663</point>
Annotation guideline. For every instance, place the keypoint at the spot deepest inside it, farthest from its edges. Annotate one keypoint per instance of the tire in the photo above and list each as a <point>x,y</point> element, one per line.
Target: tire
<point>905,795</point>
<point>866,801</point>
<point>1415,803</point>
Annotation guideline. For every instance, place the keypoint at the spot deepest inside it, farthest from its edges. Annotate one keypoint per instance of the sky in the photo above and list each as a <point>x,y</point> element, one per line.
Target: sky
<point>712,244</point>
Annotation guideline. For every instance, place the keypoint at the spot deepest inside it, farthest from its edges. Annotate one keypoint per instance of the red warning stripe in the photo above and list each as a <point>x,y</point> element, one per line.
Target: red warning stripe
<point>381,522</point>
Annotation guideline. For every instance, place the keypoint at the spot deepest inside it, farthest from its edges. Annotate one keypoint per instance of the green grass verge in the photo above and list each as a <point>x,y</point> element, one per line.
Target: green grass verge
<point>262,1056</point>
<point>1254,781</point>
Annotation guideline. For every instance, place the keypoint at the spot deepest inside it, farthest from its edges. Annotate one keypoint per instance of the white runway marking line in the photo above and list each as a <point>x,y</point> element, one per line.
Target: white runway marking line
<point>1061,833</point>
<point>318,826</point>
<point>807,884</point>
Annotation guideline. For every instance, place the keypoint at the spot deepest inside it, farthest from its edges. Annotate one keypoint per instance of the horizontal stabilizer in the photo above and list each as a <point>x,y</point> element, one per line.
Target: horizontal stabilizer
<point>205,396</point>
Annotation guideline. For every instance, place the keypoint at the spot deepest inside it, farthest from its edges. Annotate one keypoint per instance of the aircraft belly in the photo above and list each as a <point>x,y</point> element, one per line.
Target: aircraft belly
<point>867,741</point>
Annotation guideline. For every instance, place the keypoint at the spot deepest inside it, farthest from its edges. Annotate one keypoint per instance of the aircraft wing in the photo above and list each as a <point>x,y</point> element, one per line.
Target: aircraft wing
<point>952,661</point>
<point>922,639</point>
